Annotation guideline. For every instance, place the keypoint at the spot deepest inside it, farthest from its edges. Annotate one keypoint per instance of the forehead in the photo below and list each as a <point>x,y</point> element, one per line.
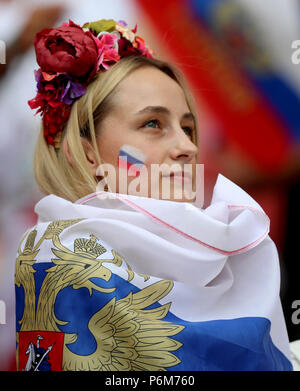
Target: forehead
<point>150,86</point>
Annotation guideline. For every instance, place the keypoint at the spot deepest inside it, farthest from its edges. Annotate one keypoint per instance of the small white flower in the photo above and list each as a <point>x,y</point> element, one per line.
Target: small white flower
<point>126,32</point>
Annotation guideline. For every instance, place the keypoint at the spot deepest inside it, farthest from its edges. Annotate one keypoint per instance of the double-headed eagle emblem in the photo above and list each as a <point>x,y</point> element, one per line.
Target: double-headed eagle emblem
<point>128,334</point>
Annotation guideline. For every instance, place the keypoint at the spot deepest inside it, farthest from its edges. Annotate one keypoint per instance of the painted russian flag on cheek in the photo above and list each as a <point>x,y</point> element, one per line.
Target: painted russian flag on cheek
<point>131,157</point>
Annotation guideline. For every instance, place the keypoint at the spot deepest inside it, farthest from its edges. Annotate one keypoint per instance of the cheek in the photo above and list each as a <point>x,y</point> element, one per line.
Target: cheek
<point>109,149</point>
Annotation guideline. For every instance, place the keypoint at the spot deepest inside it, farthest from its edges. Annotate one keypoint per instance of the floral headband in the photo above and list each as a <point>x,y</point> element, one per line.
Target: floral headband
<point>69,57</point>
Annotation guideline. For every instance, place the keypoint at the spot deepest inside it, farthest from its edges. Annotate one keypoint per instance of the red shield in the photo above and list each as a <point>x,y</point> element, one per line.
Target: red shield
<point>40,350</point>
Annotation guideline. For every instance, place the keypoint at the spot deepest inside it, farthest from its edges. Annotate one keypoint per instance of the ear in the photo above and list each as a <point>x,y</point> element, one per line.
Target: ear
<point>66,149</point>
<point>90,155</point>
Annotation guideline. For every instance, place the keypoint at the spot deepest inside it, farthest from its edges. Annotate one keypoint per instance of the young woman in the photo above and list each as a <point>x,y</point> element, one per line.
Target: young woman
<point>124,271</point>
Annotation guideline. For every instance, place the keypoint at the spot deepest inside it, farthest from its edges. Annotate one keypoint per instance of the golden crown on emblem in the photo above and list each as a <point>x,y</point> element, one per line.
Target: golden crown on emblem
<point>88,247</point>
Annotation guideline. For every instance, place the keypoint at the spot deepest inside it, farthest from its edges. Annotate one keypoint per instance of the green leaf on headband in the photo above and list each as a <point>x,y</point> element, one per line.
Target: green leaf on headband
<point>108,25</point>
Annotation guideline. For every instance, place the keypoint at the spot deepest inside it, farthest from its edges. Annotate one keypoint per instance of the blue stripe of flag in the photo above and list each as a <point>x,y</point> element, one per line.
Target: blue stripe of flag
<point>130,159</point>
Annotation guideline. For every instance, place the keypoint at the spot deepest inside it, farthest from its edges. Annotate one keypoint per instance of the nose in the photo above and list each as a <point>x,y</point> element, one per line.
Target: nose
<point>183,148</point>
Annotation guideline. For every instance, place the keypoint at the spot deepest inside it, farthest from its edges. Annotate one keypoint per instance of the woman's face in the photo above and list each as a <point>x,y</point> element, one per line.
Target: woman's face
<point>150,113</point>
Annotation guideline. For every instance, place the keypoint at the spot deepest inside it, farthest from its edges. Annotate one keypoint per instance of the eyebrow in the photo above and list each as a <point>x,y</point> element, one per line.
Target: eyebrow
<point>164,110</point>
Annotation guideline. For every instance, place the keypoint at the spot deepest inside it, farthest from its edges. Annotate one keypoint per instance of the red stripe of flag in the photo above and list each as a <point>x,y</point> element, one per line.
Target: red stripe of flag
<point>122,163</point>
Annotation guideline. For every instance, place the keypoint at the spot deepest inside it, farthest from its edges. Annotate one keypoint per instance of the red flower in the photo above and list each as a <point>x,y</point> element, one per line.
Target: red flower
<point>139,43</point>
<point>126,48</point>
<point>67,49</point>
<point>55,113</point>
<point>138,47</point>
<point>54,118</point>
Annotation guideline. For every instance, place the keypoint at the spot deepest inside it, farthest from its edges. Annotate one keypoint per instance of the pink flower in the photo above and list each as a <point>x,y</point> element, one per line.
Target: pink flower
<point>108,50</point>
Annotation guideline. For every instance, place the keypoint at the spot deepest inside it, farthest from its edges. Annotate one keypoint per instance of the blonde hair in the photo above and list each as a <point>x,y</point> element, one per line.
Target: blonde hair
<point>53,172</point>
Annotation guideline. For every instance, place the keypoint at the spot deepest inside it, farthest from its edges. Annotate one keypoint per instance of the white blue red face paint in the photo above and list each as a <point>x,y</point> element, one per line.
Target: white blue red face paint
<point>131,158</point>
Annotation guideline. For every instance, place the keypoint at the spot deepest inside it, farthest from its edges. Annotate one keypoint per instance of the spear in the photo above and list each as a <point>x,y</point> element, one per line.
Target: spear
<point>43,356</point>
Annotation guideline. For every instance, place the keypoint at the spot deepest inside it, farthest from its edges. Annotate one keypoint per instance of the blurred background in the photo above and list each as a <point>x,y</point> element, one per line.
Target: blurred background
<point>236,56</point>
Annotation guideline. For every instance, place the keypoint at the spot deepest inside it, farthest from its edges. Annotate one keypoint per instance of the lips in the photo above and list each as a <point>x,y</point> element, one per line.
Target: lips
<point>180,176</point>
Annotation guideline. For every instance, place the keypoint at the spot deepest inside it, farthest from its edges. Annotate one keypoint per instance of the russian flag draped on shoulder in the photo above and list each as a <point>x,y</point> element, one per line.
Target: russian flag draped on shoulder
<point>135,283</point>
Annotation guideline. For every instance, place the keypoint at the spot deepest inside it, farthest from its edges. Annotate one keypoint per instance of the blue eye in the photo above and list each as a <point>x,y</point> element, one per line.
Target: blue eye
<point>154,123</point>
